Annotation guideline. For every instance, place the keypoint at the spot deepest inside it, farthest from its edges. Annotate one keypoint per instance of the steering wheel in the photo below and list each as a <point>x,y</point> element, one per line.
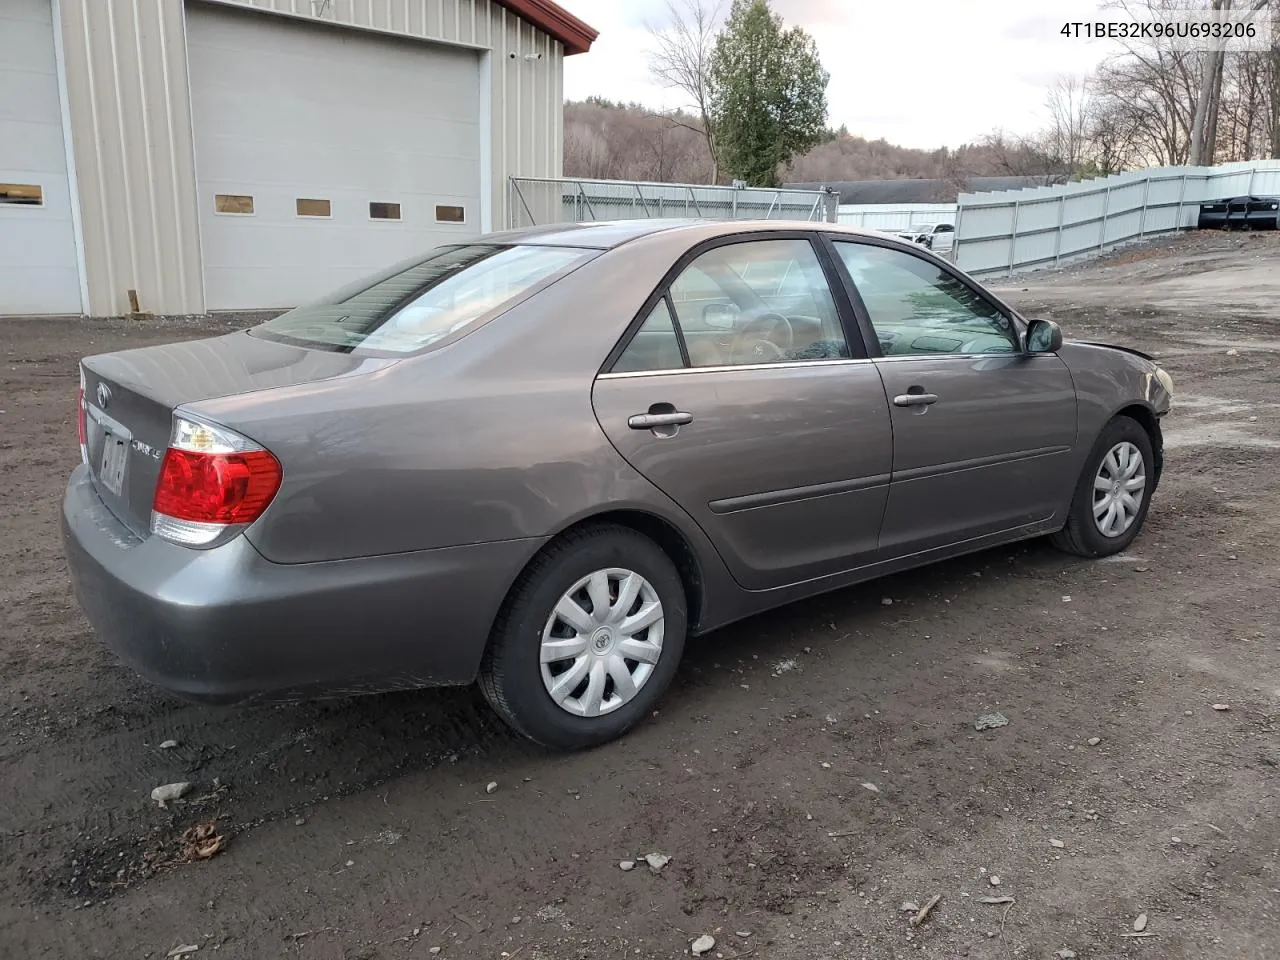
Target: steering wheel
<point>762,339</point>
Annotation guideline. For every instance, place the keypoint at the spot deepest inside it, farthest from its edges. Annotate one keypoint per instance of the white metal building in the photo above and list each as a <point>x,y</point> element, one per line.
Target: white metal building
<point>244,154</point>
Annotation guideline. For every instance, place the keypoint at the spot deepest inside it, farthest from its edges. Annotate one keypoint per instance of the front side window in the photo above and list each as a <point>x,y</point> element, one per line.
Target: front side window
<point>919,309</point>
<point>760,301</point>
<point>415,304</point>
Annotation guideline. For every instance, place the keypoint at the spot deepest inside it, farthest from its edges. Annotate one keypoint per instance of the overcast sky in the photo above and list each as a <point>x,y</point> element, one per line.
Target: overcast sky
<point>922,73</point>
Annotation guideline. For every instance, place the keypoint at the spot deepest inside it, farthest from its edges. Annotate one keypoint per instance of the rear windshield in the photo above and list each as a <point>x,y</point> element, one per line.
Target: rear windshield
<point>417,303</point>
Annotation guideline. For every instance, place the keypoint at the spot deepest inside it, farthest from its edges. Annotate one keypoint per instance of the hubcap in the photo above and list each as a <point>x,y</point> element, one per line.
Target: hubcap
<point>1118,489</point>
<point>602,642</point>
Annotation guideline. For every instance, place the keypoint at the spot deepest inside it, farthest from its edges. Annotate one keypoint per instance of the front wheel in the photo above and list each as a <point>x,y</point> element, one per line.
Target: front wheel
<point>1113,494</point>
<point>588,640</point>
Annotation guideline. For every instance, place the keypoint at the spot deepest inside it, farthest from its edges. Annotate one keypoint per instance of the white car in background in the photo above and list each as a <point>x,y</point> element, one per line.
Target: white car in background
<point>938,237</point>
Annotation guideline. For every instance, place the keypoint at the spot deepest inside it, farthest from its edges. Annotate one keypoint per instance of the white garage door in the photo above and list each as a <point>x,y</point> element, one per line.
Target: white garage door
<point>323,154</point>
<point>38,265</point>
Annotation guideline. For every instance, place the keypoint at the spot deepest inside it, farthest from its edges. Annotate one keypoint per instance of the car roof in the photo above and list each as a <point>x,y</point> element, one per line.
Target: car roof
<point>607,234</point>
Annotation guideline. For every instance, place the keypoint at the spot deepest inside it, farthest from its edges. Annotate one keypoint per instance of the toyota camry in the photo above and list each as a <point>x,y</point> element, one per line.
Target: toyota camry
<point>541,460</point>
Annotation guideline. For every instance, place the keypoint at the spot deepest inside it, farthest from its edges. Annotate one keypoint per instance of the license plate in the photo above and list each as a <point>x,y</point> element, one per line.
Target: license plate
<point>115,457</point>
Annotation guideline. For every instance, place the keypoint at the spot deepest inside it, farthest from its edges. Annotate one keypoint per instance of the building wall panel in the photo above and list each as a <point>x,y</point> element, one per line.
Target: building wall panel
<point>130,103</point>
<point>39,269</point>
<point>131,130</point>
<point>527,71</point>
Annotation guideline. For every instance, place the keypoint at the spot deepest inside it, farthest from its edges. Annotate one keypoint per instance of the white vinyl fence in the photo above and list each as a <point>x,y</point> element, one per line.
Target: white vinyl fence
<point>894,216</point>
<point>1013,230</point>
<point>535,201</point>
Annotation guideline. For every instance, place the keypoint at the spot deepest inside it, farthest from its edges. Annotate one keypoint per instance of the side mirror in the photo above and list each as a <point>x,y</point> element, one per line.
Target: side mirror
<point>1044,336</point>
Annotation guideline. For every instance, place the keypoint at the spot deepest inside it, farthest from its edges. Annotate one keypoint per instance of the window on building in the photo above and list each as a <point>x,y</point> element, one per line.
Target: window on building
<point>450,214</point>
<point>306,207</point>
<point>29,194</point>
<point>232,203</point>
<point>384,211</point>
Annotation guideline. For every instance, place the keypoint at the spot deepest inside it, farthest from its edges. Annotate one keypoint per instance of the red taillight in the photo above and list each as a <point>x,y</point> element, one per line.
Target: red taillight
<point>211,478</point>
<point>221,488</point>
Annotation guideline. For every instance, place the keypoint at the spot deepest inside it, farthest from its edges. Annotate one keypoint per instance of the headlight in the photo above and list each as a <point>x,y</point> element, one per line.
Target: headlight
<point>1165,380</point>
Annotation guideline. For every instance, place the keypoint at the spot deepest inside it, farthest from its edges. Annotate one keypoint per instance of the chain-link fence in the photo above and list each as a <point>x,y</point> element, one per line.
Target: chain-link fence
<point>534,202</point>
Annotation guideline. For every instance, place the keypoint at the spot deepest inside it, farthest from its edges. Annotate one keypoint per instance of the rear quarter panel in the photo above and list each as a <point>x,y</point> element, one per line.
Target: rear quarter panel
<point>490,438</point>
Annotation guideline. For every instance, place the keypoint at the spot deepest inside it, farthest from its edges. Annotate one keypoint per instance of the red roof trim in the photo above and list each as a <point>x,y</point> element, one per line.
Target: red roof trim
<point>553,19</point>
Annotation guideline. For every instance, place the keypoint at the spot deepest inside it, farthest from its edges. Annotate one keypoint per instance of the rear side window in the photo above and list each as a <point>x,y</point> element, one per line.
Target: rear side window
<point>415,304</point>
<point>655,346</point>
<point>739,304</point>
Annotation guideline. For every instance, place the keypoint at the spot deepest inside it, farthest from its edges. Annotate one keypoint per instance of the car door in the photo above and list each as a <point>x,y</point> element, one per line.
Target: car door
<point>982,430</point>
<point>944,235</point>
<point>741,395</point>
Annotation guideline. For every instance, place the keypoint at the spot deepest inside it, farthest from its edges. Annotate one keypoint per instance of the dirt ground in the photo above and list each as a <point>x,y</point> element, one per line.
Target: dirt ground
<point>810,771</point>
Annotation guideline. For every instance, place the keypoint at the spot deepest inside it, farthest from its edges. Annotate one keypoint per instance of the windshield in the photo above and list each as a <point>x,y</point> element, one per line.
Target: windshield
<point>418,303</point>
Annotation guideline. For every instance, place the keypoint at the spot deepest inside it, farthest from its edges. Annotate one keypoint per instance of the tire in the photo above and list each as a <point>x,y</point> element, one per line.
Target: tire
<point>1082,534</point>
<point>518,685</point>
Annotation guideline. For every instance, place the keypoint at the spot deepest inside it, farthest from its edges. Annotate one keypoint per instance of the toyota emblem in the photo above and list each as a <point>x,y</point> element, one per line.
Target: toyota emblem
<point>104,396</point>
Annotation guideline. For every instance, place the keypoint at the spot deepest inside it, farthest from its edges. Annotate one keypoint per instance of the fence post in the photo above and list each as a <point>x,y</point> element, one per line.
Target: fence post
<point>1013,238</point>
<point>955,244</point>
<point>643,204</point>
<point>1106,207</point>
<point>1182,194</point>
<point>586,201</point>
<point>1146,194</point>
<point>515,184</point>
<point>697,208</point>
<point>1057,240</point>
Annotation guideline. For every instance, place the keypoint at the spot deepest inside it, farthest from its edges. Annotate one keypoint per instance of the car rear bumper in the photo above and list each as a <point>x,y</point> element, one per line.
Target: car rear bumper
<point>227,625</point>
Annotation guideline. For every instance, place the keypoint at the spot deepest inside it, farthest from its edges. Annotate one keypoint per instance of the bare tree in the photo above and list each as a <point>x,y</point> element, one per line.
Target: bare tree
<point>1156,86</point>
<point>1273,66</point>
<point>586,152</point>
<point>1202,124</point>
<point>1026,156</point>
<point>1067,138</point>
<point>1111,139</point>
<point>681,58</point>
<point>1204,127</point>
<point>1151,96</point>
<point>614,141</point>
<point>1243,131</point>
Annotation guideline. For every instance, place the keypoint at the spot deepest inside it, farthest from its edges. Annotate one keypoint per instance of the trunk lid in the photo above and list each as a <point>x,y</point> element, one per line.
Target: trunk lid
<point>130,397</point>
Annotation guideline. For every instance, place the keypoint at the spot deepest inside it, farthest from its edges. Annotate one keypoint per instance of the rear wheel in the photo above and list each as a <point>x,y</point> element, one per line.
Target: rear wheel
<point>1113,494</point>
<point>588,640</point>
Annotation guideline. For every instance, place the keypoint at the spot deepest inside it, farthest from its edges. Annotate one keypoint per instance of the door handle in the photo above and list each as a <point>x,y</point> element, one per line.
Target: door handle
<point>648,421</point>
<point>915,399</point>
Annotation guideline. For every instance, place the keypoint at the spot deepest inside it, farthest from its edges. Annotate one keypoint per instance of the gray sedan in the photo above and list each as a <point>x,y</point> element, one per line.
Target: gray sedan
<point>543,459</point>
